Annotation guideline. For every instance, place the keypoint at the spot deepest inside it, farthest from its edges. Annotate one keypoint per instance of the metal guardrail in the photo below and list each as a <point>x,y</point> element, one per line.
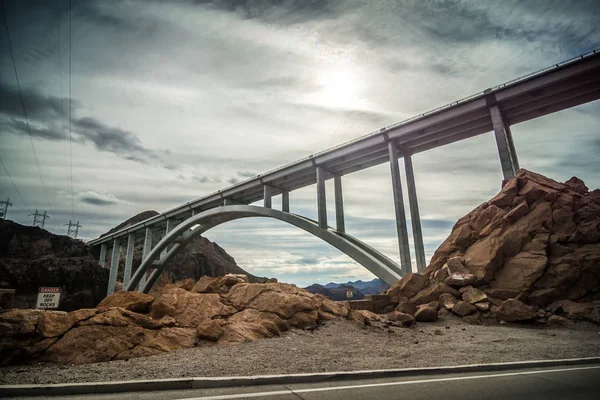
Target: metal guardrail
<point>361,138</point>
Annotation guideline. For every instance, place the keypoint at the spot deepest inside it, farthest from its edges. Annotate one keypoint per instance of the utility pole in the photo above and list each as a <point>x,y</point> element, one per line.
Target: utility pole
<point>73,229</point>
<point>39,219</point>
<point>4,208</point>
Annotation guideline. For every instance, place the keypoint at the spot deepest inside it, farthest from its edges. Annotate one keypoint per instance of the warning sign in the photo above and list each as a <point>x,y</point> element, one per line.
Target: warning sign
<point>48,297</point>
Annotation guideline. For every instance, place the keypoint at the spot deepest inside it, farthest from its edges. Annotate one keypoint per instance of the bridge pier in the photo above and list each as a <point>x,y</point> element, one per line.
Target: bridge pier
<point>285,200</point>
<point>267,194</point>
<point>102,259</point>
<point>114,267</point>
<point>415,218</point>
<point>168,226</point>
<point>504,141</point>
<point>339,204</point>
<point>145,252</point>
<point>321,198</point>
<point>128,259</point>
<point>405,263</point>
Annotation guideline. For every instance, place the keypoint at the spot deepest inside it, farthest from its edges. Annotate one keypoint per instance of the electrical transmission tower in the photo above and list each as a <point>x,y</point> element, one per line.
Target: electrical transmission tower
<point>4,208</point>
<point>39,219</point>
<point>73,229</point>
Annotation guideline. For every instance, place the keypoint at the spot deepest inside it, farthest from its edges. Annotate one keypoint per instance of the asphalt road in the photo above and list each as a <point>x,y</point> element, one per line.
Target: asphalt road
<point>581,382</point>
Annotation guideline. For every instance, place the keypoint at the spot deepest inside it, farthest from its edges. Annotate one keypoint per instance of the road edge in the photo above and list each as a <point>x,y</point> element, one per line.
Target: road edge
<point>219,382</point>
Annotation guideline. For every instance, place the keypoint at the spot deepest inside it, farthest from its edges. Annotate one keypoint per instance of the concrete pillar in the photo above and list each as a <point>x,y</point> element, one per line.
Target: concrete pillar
<point>114,267</point>
<point>145,253</point>
<point>285,200</point>
<point>405,263</point>
<point>321,198</point>
<point>169,225</point>
<point>102,259</point>
<point>267,194</point>
<point>504,141</point>
<point>339,204</point>
<point>415,218</point>
<point>128,260</point>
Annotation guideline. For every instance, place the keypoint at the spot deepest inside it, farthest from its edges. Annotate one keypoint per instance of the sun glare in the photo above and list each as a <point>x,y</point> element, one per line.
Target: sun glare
<point>339,87</point>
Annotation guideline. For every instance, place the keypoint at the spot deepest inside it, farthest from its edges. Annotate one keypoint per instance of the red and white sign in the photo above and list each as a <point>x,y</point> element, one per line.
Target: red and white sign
<point>48,297</point>
<point>349,293</point>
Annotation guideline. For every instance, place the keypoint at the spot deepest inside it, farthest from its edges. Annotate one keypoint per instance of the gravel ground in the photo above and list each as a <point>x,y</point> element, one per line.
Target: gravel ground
<point>336,346</point>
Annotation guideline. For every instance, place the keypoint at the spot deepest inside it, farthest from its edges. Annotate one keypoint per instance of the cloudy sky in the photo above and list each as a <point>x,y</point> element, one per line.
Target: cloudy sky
<point>170,101</point>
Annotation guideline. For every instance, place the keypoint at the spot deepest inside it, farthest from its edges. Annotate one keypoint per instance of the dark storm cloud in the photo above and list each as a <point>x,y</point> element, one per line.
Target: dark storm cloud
<point>46,118</point>
<point>96,201</point>
<point>38,105</point>
<point>110,139</point>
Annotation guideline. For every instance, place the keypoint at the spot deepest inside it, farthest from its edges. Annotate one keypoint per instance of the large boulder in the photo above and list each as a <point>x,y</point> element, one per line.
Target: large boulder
<point>133,301</point>
<point>463,308</point>
<point>433,293</point>
<point>427,312</point>
<point>407,287</point>
<point>514,310</point>
<point>189,309</point>
<point>576,311</point>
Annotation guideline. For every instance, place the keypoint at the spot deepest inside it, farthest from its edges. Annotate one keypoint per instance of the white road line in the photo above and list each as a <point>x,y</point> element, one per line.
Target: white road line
<point>370,385</point>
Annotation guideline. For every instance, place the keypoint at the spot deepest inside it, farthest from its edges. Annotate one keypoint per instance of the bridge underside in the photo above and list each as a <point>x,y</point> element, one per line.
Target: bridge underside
<point>179,236</point>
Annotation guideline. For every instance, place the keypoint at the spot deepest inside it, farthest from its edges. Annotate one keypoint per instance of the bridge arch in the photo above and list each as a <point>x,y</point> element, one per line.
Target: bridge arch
<point>371,259</point>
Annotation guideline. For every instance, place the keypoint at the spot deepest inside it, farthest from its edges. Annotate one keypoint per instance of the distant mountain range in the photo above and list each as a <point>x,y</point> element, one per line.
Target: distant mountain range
<point>337,291</point>
<point>375,286</point>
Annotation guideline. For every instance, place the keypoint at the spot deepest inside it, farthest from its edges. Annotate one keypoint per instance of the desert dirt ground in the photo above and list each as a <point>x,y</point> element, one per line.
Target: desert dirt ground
<point>337,346</point>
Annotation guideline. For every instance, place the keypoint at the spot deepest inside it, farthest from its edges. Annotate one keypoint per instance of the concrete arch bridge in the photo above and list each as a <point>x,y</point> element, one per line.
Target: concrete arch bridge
<point>558,87</point>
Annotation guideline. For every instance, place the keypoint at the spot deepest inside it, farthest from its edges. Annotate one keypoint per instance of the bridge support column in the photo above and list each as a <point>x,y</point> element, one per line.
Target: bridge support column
<point>169,225</point>
<point>267,194</point>
<point>114,267</point>
<point>102,259</point>
<point>128,259</point>
<point>504,141</point>
<point>404,248</point>
<point>285,200</point>
<point>339,204</point>
<point>145,252</point>
<point>321,198</point>
<point>415,218</point>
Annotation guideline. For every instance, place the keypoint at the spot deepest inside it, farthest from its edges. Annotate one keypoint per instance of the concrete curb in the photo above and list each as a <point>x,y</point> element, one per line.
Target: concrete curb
<point>216,382</point>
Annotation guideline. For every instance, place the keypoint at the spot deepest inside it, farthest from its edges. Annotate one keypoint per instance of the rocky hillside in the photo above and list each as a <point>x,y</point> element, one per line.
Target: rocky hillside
<point>530,252</point>
<point>31,257</point>
<point>225,310</point>
<point>200,257</point>
<point>335,293</point>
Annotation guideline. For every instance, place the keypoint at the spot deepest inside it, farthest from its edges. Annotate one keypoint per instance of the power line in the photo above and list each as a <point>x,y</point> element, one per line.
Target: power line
<point>12,56</point>
<point>70,116</point>
<point>15,186</point>
<point>62,102</point>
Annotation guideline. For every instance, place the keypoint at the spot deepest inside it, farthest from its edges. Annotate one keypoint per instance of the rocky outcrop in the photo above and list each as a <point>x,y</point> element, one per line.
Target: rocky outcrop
<point>31,257</point>
<point>534,246</point>
<point>129,324</point>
